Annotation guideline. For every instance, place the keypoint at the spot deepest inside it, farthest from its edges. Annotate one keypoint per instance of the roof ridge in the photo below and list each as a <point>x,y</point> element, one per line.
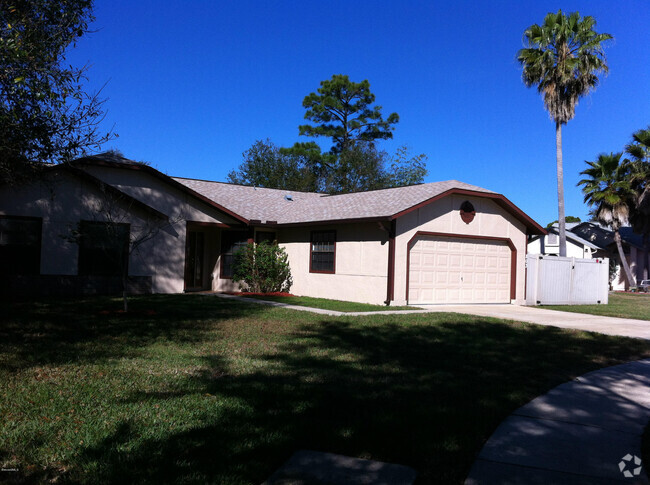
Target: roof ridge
<point>256,187</point>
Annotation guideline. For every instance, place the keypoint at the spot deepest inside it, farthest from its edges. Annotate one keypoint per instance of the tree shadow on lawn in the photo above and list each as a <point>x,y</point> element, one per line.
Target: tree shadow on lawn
<point>425,392</point>
<point>60,331</point>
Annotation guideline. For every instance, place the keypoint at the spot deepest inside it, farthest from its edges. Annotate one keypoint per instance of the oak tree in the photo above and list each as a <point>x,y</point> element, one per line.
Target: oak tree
<point>46,116</point>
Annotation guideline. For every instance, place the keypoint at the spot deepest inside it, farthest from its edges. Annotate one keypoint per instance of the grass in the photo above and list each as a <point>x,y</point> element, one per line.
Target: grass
<point>325,304</point>
<point>196,389</point>
<point>623,305</point>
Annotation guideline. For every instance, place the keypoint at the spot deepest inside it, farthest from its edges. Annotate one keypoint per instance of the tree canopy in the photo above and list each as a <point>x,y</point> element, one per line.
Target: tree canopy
<point>608,190</point>
<point>568,219</point>
<point>266,165</point>
<point>563,58</point>
<point>639,151</point>
<point>45,114</point>
<point>341,110</point>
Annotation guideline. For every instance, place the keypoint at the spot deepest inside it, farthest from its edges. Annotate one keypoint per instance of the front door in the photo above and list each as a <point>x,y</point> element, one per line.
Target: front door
<point>194,260</point>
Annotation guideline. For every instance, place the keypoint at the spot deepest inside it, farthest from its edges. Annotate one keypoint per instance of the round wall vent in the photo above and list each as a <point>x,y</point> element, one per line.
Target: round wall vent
<point>467,212</point>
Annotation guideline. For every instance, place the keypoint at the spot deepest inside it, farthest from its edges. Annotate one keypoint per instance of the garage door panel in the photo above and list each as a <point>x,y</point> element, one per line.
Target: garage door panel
<point>459,270</point>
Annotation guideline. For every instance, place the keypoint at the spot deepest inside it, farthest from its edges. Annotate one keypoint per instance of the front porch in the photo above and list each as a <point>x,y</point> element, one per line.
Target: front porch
<point>209,254</point>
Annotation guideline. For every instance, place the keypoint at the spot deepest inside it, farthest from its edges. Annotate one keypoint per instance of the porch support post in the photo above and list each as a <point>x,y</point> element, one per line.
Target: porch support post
<point>390,286</point>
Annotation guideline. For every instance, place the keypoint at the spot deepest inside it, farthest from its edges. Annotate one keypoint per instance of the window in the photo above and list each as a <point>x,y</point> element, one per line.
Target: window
<point>20,245</point>
<point>231,242</point>
<point>261,236</point>
<point>323,252</point>
<point>552,239</point>
<point>103,248</point>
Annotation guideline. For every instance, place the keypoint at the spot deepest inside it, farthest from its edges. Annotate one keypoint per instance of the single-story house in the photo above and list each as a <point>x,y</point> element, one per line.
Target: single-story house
<point>442,242</point>
<point>593,240</point>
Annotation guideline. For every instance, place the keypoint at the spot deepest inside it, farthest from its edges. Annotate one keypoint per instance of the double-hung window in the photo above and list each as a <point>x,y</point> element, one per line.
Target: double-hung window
<point>231,242</point>
<point>323,252</point>
<point>20,245</point>
<point>103,248</point>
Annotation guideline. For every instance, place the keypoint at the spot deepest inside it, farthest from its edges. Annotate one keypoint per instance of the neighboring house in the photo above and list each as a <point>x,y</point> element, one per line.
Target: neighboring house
<point>592,240</point>
<point>576,246</point>
<point>444,242</point>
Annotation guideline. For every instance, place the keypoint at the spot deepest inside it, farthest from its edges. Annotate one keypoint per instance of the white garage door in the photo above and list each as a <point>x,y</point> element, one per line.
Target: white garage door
<point>459,270</point>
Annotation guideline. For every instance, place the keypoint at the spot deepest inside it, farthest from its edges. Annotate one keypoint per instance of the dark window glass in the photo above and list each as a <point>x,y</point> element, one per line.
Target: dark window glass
<point>467,206</point>
<point>20,245</point>
<point>262,236</point>
<point>103,248</point>
<point>323,251</point>
<point>231,242</point>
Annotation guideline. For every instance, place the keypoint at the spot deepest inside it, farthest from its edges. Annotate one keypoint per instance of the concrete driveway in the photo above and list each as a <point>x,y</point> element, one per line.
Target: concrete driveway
<point>625,327</point>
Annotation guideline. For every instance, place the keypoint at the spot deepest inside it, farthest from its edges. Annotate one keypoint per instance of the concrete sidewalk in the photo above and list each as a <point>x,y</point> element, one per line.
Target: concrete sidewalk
<point>625,327</point>
<point>587,431</point>
<point>580,321</point>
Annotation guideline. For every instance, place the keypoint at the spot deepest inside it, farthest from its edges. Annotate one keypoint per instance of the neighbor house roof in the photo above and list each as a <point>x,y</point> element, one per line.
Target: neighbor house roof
<point>571,236</point>
<point>290,207</point>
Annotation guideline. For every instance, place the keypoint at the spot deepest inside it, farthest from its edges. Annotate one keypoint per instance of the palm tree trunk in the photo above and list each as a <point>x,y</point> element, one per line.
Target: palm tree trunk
<point>560,188</point>
<point>621,254</point>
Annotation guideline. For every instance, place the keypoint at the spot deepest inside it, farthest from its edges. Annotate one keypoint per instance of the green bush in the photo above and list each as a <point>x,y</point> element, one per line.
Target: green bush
<point>262,268</point>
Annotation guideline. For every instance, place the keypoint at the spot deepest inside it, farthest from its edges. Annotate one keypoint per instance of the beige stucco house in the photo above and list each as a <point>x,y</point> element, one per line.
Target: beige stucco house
<point>443,242</point>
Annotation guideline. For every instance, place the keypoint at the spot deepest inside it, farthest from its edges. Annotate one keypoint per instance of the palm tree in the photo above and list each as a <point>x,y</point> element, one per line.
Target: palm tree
<point>562,58</point>
<point>608,190</point>
<point>639,151</point>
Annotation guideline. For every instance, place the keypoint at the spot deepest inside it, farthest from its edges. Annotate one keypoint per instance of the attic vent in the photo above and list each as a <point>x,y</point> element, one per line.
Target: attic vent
<point>467,212</point>
<point>288,197</point>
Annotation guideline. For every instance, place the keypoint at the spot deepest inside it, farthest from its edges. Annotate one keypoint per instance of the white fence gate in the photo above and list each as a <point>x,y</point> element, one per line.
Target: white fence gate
<point>551,280</point>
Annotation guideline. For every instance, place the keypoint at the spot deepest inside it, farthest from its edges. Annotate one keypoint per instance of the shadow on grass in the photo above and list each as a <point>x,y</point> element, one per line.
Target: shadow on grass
<point>424,391</point>
<point>93,330</point>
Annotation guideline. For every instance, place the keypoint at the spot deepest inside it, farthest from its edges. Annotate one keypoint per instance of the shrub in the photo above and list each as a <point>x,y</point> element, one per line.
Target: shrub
<point>262,268</point>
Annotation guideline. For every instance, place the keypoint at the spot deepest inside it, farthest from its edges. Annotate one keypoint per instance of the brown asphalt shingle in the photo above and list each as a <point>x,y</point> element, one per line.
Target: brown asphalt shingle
<point>270,204</point>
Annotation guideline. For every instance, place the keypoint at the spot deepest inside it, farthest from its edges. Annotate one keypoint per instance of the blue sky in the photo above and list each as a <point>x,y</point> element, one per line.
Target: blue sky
<point>190,85</point>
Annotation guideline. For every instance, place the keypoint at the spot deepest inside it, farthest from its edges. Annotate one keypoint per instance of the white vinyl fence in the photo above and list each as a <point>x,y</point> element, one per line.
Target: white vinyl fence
<point>551,280</point>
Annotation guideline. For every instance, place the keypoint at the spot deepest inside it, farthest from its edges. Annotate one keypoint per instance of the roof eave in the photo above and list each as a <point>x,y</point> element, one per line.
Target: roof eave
<point>324,222</point>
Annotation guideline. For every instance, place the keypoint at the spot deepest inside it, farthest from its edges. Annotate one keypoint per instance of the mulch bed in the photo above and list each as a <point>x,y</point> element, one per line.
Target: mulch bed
<point>248,293</point>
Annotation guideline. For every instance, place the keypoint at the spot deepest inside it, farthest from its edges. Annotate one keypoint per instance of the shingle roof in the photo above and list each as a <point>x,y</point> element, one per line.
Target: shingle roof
<point>261,205</point>
<point>271,205</point>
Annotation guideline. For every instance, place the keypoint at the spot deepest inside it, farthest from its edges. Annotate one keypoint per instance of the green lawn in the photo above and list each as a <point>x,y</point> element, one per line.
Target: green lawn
<point>624,305</point>
<point>325,304</point>
<point>196,389</point>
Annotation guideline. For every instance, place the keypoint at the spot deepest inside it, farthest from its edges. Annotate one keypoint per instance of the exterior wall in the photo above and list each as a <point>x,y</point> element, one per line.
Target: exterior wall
<point>361,267</point>
<point>639,263</point>
<point>62,200</point>
<point>443,216</point>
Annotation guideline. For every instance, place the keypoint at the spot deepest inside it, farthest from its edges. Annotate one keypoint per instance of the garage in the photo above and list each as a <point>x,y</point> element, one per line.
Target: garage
<point>451,270</point>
